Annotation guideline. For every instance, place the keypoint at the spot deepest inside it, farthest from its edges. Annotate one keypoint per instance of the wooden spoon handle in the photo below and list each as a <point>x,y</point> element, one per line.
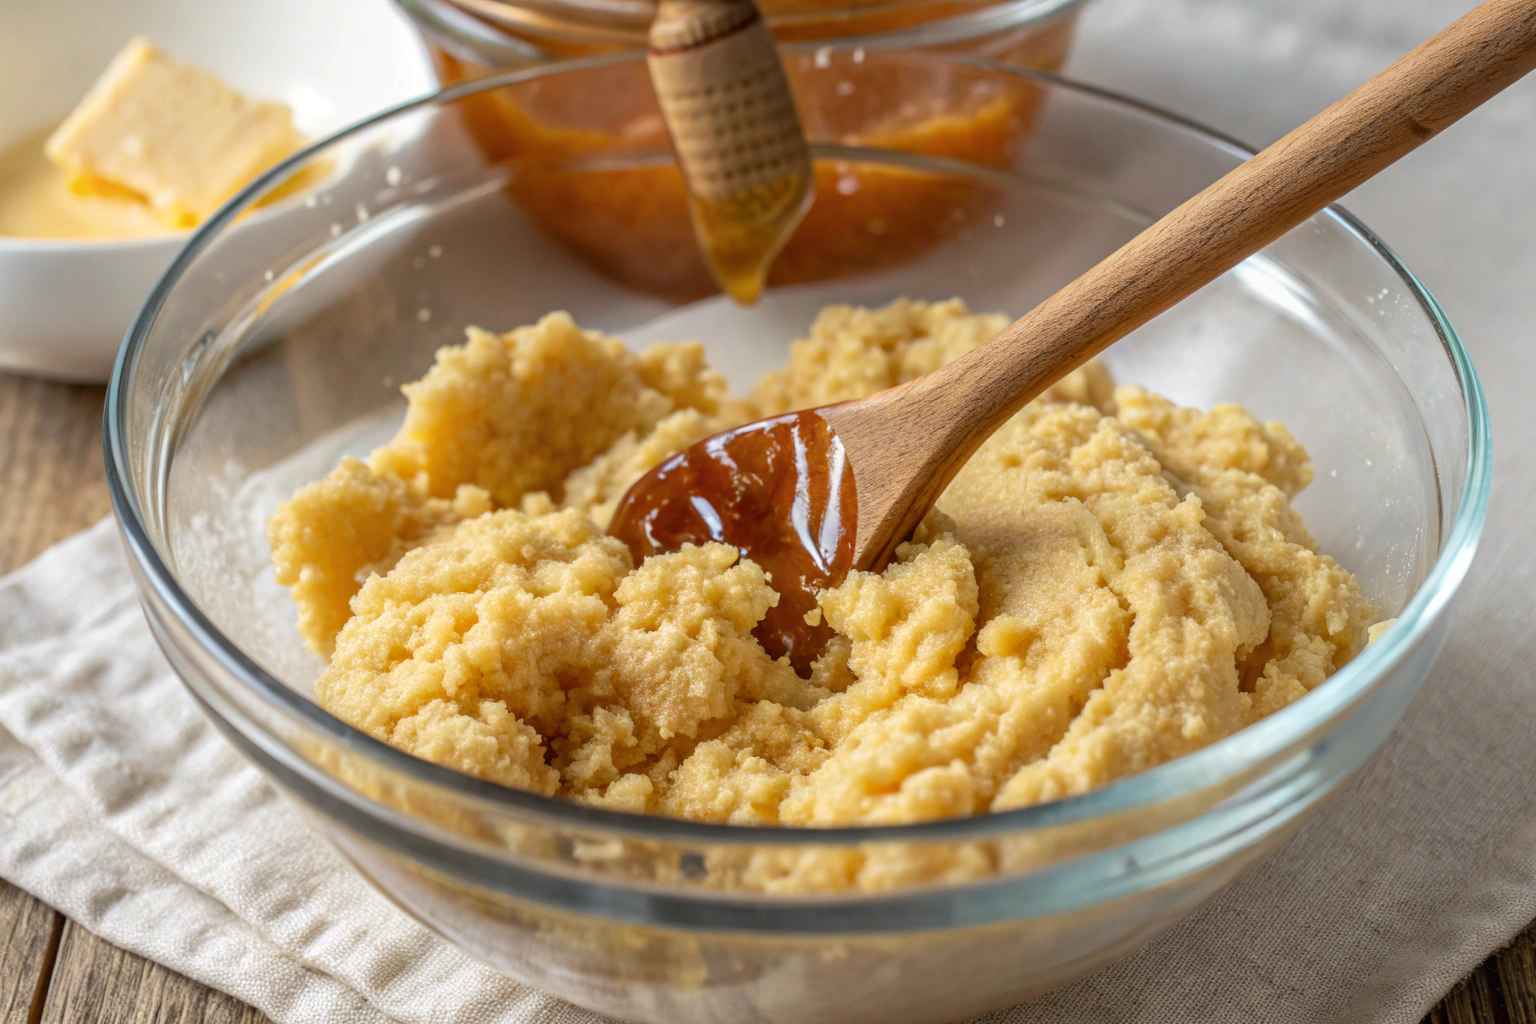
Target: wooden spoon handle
<point>1388,117</point>
<point>907,443</point>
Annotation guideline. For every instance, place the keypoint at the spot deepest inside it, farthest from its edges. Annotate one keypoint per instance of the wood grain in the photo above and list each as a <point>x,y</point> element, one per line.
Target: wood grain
<point>907,443</point>
<point>1501,991</point>
<point>50,465</point>
<point>29,938</point>
<point>98,983</point>
<point>1515,970</point>
<point>52,480</point>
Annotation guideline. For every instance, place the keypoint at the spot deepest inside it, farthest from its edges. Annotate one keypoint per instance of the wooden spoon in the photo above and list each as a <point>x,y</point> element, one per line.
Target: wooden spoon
<point>811,495</point>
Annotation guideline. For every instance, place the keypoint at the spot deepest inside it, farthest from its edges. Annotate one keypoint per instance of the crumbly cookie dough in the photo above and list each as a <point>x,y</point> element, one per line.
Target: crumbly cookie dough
<point>1111,582</point>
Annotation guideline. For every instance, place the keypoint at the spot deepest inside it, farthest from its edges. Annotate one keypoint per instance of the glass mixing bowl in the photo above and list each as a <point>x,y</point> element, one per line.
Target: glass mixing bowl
<point>272,347</point>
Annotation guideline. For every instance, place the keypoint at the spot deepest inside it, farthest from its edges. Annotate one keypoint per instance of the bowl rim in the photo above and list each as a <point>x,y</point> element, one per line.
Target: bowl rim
<point>27,246</point>
<point>1180,777</point>
<point>470,27</point>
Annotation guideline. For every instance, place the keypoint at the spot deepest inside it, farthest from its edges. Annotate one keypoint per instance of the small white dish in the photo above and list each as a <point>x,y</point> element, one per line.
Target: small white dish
<point>65,305</point>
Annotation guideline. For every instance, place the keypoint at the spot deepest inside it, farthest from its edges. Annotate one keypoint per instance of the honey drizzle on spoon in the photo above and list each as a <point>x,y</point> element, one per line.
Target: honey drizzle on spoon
<point>735,488</point>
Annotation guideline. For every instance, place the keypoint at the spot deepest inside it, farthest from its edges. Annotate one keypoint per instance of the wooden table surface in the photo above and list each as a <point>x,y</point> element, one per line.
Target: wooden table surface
<point>53,970</point>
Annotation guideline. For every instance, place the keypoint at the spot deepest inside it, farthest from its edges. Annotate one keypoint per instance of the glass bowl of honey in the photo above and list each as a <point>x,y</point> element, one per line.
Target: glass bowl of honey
<point>631,222</point>
<point>470,38</point>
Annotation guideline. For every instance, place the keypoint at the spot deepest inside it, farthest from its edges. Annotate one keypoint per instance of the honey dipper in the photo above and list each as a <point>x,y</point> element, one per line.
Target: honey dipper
<point>811,495</point>
<point>727,105</point>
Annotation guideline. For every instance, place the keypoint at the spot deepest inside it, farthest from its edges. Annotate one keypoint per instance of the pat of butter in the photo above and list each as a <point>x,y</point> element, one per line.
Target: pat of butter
<point>175,136</point>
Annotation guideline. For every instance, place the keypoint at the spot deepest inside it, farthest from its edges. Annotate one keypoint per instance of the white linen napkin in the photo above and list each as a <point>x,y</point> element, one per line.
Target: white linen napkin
<point>123,808</point>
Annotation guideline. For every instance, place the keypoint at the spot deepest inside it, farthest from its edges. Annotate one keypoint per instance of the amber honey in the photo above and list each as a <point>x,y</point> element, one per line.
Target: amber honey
<point>742,236</point>
<point>636,224</point>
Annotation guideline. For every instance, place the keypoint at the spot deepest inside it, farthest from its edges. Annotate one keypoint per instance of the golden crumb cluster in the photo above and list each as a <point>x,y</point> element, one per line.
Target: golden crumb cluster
<point>1111,582</point>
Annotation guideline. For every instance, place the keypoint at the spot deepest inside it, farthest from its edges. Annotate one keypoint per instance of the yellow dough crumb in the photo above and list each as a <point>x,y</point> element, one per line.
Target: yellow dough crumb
<point>1112,581</point>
